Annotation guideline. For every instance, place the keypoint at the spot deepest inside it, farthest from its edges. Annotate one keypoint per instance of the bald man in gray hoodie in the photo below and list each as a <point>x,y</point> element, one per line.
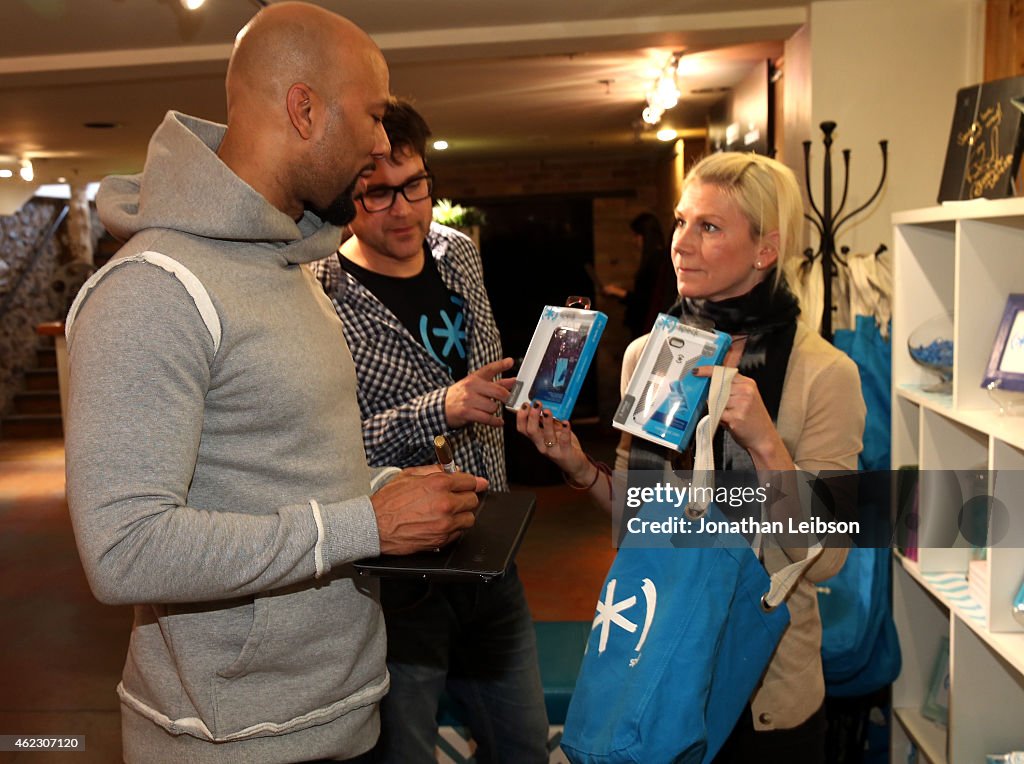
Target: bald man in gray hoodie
<point>215,467</point>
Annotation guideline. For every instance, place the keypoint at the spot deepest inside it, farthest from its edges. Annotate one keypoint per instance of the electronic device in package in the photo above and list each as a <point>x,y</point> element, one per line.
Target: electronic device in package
<point>558,358</point>
<point>664,401</point>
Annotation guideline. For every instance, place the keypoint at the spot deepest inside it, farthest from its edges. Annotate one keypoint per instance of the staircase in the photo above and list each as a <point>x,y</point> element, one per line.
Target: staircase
<point>36,409</point>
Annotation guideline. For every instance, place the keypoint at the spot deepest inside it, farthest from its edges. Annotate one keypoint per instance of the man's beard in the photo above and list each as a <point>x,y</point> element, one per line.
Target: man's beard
<point>342,210</point>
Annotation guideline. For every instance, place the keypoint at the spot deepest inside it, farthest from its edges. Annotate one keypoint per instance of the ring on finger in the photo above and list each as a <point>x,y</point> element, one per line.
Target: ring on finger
<point>549,443</point>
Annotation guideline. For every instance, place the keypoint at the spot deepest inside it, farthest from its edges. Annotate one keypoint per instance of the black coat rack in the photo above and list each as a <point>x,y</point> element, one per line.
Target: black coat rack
<point>827,221</point>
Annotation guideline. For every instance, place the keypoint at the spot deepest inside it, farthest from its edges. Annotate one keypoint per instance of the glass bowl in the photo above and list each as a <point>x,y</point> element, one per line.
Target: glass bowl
<point>931,346</point>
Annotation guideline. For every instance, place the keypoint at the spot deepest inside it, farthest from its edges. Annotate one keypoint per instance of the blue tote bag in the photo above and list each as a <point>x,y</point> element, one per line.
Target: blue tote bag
<point>873,355</point>
<point>860,650</point>
<point>679,642</point>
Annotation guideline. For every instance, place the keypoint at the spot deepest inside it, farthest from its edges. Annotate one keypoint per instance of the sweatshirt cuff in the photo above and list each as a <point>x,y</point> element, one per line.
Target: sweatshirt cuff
<point>381,476</point>
<point>350,531</point>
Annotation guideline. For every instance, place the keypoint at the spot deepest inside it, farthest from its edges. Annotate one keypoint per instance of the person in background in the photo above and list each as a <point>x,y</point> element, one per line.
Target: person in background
<point>653,289</point>
<point>428,358</point>
<point>795,403</point>
<point>215,471</point>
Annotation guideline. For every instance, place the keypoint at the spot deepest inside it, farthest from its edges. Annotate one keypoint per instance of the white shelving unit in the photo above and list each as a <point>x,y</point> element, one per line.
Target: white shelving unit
<point>967,258</point>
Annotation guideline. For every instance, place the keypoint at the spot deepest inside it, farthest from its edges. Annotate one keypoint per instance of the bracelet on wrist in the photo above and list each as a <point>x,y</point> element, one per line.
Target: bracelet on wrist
<point>600,468</point>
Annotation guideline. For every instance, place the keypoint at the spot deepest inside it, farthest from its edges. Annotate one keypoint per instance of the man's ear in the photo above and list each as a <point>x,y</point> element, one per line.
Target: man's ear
<point>768,251</point>
<point>299,102</point>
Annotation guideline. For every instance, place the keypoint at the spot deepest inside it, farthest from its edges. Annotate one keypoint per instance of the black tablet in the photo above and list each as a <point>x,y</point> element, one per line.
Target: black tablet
<point>484,552</point>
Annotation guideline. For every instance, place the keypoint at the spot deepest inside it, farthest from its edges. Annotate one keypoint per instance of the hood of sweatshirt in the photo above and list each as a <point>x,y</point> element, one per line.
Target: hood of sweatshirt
<point>185,187</point>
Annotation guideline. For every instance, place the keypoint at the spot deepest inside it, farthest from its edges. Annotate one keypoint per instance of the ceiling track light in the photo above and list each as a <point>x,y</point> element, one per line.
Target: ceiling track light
<point>664,91</point>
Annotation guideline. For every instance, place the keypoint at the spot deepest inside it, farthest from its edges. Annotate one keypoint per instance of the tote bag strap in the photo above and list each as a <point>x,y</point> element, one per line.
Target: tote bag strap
<point>782,581</point>
<point>704,458</point>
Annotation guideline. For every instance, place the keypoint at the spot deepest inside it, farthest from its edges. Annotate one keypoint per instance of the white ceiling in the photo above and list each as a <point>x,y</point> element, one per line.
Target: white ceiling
<point>493,77</point>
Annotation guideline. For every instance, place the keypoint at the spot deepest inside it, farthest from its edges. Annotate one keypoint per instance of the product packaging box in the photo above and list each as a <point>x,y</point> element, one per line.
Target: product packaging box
<point>558,358</point>
<point>664,401</point>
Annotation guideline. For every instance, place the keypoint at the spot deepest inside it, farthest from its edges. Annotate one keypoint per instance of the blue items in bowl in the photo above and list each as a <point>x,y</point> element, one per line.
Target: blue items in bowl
<point>931,346</point>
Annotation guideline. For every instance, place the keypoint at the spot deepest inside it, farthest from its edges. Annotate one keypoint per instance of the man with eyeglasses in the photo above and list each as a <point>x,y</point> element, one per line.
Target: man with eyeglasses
<point>428,359</point>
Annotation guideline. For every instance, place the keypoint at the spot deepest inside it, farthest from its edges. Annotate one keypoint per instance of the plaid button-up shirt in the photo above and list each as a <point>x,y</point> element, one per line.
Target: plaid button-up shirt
<point>401,386</point>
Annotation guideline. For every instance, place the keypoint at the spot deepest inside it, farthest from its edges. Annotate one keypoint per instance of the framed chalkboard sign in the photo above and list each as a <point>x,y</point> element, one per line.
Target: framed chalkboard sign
<point>985,141</point>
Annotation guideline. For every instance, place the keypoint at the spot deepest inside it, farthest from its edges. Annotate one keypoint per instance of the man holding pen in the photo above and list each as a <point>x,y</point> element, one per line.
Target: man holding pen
<point>428,359</point>
<point>215,475</point>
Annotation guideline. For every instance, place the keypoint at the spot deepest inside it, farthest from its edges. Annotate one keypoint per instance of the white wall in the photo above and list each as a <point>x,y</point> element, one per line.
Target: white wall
<point>882,69</point>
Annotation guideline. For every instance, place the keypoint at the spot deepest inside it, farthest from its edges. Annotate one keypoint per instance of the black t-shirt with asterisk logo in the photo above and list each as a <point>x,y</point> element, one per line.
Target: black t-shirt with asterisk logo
<point>433,314</point>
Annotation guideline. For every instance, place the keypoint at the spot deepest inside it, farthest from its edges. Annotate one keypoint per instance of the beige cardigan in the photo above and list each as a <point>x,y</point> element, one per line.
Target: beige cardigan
<point>821,422</point>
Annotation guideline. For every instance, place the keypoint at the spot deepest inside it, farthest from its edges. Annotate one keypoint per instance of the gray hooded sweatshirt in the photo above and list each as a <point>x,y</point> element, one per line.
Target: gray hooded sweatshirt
<point>215,470</point>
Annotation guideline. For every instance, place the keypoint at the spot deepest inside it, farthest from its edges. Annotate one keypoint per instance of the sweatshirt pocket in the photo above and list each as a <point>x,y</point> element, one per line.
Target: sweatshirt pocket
<point>283,661</point>
<point>311,655</point>
<point>253,641</point>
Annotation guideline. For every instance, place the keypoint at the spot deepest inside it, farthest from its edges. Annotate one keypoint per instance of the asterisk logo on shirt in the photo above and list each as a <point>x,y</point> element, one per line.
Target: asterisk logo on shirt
<point>453,334</point>
<point>452,331</point>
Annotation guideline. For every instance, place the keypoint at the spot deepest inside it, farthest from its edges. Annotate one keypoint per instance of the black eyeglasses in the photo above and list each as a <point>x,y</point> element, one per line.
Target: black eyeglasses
<point>380,198</point>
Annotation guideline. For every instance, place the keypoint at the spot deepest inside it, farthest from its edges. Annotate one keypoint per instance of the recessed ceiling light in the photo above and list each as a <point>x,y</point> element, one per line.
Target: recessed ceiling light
<point>667,134</point>
<point>6,173</point>
<point>440,145</point>
<point>101,125</point>
<point>191,5</point>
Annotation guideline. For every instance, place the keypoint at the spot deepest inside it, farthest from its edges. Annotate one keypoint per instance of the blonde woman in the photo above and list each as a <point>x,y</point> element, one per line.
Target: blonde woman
<point>795,403</point>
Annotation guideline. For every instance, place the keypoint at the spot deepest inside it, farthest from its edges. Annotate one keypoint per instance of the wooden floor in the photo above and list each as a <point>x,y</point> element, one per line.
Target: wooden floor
<point>61,652</point>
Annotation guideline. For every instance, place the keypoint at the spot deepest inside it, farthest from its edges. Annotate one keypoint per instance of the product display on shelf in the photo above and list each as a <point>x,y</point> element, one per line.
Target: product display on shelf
<point>931,345</point>
<point>936,703</point>
<point>905,512</point>
<point>1005,369</point>
<point>977,580</point>
<point>962,259</point>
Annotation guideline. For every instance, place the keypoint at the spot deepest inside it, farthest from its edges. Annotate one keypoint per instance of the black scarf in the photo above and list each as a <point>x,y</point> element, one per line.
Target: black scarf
<point>767,317</point>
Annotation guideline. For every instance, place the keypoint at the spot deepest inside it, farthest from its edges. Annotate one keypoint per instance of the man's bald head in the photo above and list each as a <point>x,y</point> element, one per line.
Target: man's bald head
<point>307,90</point>
<point>294,42</point>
